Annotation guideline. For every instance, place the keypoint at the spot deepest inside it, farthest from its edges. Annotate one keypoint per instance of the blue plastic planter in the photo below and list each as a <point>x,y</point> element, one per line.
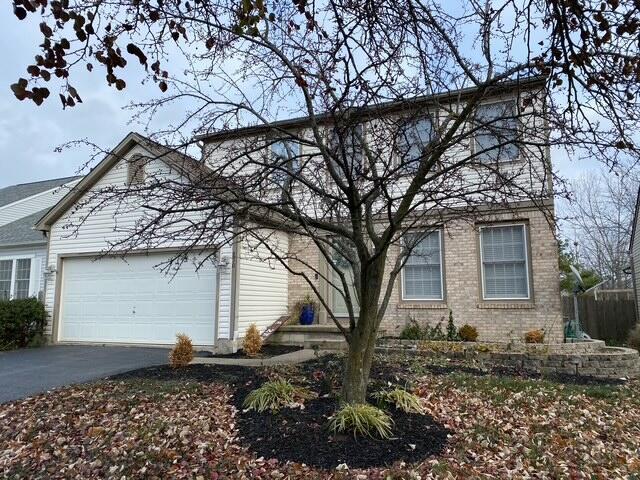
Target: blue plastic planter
<point>306,316</point>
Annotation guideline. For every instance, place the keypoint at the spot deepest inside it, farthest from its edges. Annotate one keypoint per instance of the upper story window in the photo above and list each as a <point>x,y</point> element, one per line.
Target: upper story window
<point>497,133</point>
<point>505,263</point>
<point>136,170</point>
<point>285,155</point>
<point>347,146</point>
<point>422,277</point>
<point>413,138</point>
<point>15,278</point>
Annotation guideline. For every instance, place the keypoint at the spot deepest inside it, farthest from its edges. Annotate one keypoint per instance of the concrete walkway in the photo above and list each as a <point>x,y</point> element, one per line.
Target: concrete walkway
<point>299,356</point>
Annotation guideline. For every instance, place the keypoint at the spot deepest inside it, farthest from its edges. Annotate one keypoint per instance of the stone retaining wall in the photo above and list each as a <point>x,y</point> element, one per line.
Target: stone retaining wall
<point>589,358</point>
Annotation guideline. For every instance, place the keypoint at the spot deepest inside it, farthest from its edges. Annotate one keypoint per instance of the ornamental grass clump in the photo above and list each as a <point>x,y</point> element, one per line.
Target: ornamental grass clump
<point>274,395</point>
<point>361,420</point>
<point>182,353</point>
<point>400,399</point>
<point>252,343</point>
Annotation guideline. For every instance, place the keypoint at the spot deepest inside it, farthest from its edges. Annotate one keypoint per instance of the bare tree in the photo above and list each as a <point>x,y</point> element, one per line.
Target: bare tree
<point>394,137</point>
<point>600,217</point>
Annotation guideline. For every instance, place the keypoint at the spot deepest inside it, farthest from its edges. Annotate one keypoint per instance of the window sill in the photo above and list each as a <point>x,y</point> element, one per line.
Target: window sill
<point>422,306</point>
<point>506,305</point>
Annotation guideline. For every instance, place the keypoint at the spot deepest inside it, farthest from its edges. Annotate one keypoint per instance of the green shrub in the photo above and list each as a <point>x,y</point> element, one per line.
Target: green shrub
<point>634,337</point>
<point>362,420</point>
<point>468,333</point>
<point>412,331</point>
<point>452,331</point>
<point>21,322</point>
<point>401,399</point>
<point>274,395</point>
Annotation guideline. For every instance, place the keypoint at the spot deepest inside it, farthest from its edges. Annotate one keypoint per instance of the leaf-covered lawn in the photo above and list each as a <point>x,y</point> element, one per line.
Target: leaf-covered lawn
<point>504,427</point>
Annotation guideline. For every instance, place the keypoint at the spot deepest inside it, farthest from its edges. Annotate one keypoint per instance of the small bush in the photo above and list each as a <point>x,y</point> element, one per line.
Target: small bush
<point>274,395</point>
<point>634,337</point>
<point>362,420</point>
<point>468,333</point>
<point>401,399</point>
<point>412,331</point>
<point>21,322</point>
<point>534,336</point>
<point>252,343</point>
<point>182,354</point>
<point>452,331</point>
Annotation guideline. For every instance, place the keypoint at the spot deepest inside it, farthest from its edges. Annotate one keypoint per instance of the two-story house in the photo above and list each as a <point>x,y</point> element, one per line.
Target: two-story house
<point>497,271</point>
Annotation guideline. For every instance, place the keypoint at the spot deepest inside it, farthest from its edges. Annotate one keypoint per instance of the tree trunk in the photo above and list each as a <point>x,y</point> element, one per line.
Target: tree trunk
<point>356,373</point>
<point>362,340</point>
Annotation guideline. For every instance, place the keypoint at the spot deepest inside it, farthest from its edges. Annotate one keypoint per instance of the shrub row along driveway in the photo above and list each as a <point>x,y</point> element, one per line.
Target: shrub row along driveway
<point>30,371</point>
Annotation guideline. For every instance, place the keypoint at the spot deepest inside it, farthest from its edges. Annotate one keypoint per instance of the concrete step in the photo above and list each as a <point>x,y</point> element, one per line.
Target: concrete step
<point>309,336</point>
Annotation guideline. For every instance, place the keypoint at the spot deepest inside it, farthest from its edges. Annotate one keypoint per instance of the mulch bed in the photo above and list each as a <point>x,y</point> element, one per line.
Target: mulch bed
<point>301,435</point>
<point>267,351</point>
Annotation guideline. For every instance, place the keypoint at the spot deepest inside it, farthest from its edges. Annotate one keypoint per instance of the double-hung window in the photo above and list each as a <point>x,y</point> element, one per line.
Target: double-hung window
<point>285,155</point>
<point>422,277</point>
<point>495,139</point>
<point>505,263</point>
<point>15,278</point>
<point>347,145</point>
<point>413,138</point>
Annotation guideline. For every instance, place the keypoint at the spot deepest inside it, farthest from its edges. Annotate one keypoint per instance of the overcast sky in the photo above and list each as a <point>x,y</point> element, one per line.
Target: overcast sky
<point>29,134</point>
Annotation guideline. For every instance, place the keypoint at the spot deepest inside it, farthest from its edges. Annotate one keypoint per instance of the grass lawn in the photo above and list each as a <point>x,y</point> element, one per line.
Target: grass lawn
<point>159,423</point>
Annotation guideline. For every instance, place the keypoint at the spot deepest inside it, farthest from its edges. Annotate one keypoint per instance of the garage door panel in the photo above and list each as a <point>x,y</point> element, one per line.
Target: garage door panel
<point>109,300</point>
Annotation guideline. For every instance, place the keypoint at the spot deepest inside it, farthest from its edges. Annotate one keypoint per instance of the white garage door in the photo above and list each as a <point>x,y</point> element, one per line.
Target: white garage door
<point>110,300</point>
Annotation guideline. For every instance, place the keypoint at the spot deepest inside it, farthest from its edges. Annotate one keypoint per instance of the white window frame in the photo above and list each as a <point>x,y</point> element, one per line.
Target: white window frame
<point>432,117</point>
<point>442,287</point>
<point>271,157</point>
<point>32,269</point>
<point>331,144</point>
<point>527,264</point>
<point>518,132</point>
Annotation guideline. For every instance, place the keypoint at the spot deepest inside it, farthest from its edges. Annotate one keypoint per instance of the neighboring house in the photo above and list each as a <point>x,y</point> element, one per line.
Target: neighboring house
<point>105,299</point>
<point>22,248</point>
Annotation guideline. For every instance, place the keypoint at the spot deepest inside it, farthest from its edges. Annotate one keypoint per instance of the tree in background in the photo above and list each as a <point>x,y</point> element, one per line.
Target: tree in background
<point>567,258</point>
<point>600,216</point>
<point>353,193</point>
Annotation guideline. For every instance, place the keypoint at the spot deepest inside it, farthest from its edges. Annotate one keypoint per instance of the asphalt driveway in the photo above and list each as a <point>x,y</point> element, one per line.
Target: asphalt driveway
<point>35,370</point>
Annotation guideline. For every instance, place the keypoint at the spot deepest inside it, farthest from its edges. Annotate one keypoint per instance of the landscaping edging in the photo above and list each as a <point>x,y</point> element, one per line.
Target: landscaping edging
<point>587,358</point>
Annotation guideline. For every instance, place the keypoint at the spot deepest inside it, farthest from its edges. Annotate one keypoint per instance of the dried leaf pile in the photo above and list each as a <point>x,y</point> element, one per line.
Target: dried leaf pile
<point>504,427</point>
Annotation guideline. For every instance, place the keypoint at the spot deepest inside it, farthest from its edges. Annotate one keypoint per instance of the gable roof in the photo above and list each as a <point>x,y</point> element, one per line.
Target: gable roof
<point>15,193</point>
<point>373,110</point>
<point>21,231</point>
<point>183,163</point>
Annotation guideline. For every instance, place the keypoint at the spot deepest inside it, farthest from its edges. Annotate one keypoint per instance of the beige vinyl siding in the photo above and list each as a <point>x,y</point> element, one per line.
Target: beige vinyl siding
<point>107,225</point>
<point>35,203</point>
<point>262,284</point>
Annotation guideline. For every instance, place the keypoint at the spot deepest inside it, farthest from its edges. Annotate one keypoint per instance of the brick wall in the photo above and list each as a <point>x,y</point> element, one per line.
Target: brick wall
<point>495,320</point>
